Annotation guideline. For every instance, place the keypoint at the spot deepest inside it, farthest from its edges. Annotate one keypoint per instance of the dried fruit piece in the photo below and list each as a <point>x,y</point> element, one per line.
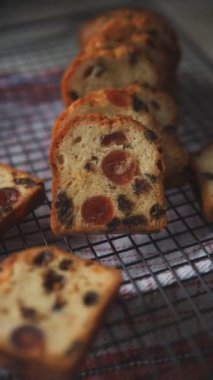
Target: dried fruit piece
<point>58,304</point>
<point>157,211</point>
<point>117,97</point>
<point>90,298</point>
<point>114,223</point>
<point>141,186</point>
<point>73,95</point>
<point>124,204</point>
<point>42,258</point>
<point>53,281</point>
<point>97,210</point>
<point>119,166</point>
<point>27,337</point>
<point>28,312</point>
<point>135,220</point>
<point>150,135</point>
<point>89,166</point>
<point>138,104</point>
<point>65,264</point>
<point>151,177</point>
<point>117,138</point>
<point>64,206</point>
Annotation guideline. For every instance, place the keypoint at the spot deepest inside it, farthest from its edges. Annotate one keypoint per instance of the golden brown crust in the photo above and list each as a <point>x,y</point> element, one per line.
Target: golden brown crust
<point>28,201</point>
<point>58,138</point>
<point>121,23</point>
<point>111,58</point>
<point>44,365</point>
<point>155,106</point>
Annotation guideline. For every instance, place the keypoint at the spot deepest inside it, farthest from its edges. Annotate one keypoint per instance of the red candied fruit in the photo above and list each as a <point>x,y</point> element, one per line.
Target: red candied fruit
<point>117,97</point>
<point>118,138</point>
<point>119,166</point>
<point>97,210</point>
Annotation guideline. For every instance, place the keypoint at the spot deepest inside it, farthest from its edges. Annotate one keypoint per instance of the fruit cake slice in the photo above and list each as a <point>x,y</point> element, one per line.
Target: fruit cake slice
<point>120,24</point>
<point>145,44</point>
<point>20,193</point>
<point>139,102</point>
<point>51,303</point>
<point>202,165</point>
<point>107,177</point>
<point>108,68</point>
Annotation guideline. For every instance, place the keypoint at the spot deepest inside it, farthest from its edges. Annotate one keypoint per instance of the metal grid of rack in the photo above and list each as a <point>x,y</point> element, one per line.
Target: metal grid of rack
<point>161,324</point>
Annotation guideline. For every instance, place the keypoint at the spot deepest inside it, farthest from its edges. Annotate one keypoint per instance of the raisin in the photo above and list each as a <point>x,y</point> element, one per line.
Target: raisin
<point>141,186</point>
<point>65,264</point>
<point>25,181</point>
<point>27,337</point>
<point>73,95</point>
<point>135,220</point>
<point>124,204</point>
<point>53,281</point>
<point>64,206</point>
<point>89,166</point>
<point>90,298</point>
<point>42,258</point>
<point>170,129</point>
<point>157,211</point>
<point>150,135</point>
<point>28,312</point>
<point>154,105</point>
<point>114,223</point>
<point>8,197</point>
<point>138,104</point>
<point>58,304</point>
<point>153,178</point>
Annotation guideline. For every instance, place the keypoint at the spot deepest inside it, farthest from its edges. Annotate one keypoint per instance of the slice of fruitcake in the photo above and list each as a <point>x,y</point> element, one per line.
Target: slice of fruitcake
<point>51,303</point>
<point>202,165</point>
<point>156,110</point>
<point>120,24</point>
<point>107,177</point>
<point>108,68</point>
<point>20,193</point>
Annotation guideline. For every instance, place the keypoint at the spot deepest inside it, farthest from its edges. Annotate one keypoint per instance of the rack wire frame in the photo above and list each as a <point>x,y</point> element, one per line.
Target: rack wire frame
<point>162,320</point>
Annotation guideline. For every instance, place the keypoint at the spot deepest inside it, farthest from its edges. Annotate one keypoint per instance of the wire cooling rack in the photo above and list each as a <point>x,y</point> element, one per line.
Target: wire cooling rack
<point>161,325</point>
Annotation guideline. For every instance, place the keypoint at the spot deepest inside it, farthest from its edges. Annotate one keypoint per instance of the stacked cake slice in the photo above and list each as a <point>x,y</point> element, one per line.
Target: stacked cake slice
<point>116,145</point>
